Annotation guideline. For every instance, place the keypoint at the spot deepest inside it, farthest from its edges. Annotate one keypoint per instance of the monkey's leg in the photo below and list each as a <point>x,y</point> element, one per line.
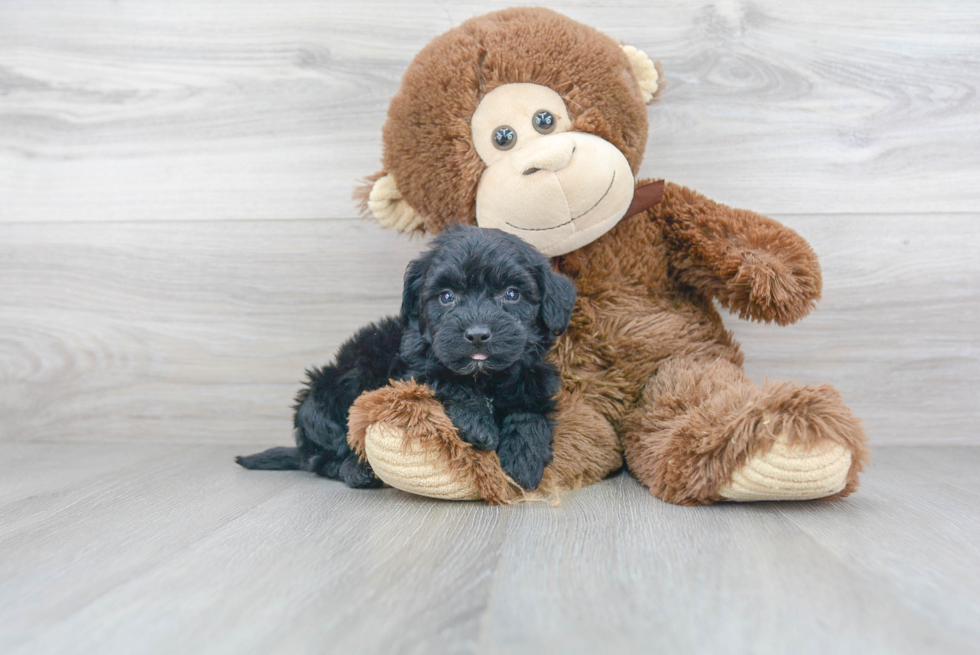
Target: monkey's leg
<point>403,431</point>
<point>703,432</point>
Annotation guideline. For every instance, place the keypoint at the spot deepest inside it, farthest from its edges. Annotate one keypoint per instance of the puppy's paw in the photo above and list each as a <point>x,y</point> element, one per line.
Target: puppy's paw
<point>475,425</point>
<point>525,448</point>
<point>357,474</point>
<point>525,467</point>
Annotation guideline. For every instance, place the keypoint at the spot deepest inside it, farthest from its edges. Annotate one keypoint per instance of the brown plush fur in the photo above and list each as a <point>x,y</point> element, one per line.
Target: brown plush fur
<point>649,352</point>
<point>579,462</point>
<point>646,356</point>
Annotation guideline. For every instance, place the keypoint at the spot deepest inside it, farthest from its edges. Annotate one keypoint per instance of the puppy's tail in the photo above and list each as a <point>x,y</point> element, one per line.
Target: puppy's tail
<point>274,459</point>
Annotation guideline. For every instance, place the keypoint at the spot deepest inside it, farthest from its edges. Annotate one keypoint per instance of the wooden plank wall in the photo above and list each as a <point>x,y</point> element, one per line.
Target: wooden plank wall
<point>177,238</point>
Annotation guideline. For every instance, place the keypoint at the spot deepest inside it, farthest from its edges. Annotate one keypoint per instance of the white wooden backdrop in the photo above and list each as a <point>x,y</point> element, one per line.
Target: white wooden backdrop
<point>178,241</point>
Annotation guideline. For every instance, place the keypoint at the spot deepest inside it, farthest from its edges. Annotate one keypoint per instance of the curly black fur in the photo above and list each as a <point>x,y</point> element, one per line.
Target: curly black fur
<point>480,308</point>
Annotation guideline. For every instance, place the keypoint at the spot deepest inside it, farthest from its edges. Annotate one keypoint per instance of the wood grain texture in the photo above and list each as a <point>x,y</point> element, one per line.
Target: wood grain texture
<point>200,332</point>
<point>227,110</point>
<point>194,331</point>
<point>189,553</point>
<point>44,472</point>
<point>933,487</point>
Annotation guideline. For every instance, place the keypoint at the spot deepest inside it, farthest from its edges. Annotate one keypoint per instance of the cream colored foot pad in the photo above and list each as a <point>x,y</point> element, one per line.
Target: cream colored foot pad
<point>413,469</point>
<point>791,473</point>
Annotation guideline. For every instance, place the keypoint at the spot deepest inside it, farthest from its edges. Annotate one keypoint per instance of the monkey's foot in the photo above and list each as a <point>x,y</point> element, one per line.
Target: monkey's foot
<point>410,466</point>
<point>791,471</point>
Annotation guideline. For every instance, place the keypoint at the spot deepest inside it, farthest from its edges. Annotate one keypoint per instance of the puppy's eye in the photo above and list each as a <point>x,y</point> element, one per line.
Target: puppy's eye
<point>513,295</point>
<point>544,121</point>
<point>446,297</point>
<point>504,137</point>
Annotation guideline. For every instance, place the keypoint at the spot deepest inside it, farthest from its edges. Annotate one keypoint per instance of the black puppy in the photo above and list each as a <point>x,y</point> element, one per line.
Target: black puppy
<point>480,309</point>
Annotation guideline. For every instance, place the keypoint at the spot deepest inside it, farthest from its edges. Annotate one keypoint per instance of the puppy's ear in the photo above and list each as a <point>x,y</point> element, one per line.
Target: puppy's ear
<point>557,300</point>
<point>412,291</point>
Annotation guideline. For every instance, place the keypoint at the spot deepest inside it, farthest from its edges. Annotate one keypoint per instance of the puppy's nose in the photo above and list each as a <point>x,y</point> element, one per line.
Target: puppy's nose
<point>477,335</point>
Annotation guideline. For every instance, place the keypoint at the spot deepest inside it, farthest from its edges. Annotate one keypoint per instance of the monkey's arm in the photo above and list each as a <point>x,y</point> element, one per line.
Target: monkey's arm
<point>403,430</point>
<point>755,267</point>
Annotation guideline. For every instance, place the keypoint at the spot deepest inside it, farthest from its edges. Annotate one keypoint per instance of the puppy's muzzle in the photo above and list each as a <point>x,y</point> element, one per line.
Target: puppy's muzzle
<point>479,339</point>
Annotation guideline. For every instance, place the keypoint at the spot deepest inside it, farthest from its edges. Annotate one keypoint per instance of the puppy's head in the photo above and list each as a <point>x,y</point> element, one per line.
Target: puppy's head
<point>483,300</point>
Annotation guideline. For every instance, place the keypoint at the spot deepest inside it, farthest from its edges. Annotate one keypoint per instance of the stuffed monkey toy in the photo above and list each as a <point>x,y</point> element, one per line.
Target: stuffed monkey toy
<point>527,121</point>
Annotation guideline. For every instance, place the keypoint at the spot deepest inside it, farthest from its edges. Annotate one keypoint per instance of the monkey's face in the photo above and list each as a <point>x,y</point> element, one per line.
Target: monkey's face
<point>553,187</point>
<point>521,120</point>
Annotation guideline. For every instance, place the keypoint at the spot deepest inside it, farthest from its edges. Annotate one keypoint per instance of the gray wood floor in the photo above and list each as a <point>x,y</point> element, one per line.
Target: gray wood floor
<point>121,548</point>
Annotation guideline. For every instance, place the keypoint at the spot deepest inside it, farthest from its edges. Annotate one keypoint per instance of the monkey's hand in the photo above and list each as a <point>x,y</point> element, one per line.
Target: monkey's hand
<point>755,267</point>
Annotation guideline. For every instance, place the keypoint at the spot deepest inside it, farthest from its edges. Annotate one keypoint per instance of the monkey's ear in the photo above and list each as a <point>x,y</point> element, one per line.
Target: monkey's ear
<point>558,296</point>
<point>384,201</point>
<point>645,71</point>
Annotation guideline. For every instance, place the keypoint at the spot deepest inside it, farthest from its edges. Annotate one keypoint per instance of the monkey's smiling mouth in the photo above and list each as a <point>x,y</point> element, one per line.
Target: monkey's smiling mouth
<point>572,219</point>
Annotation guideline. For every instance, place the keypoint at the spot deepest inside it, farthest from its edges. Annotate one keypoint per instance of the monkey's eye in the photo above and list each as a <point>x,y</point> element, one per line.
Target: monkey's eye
<point>544,122</point>
<point>446,297</point>
<point>504,138</point>
<point>513,295</point>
